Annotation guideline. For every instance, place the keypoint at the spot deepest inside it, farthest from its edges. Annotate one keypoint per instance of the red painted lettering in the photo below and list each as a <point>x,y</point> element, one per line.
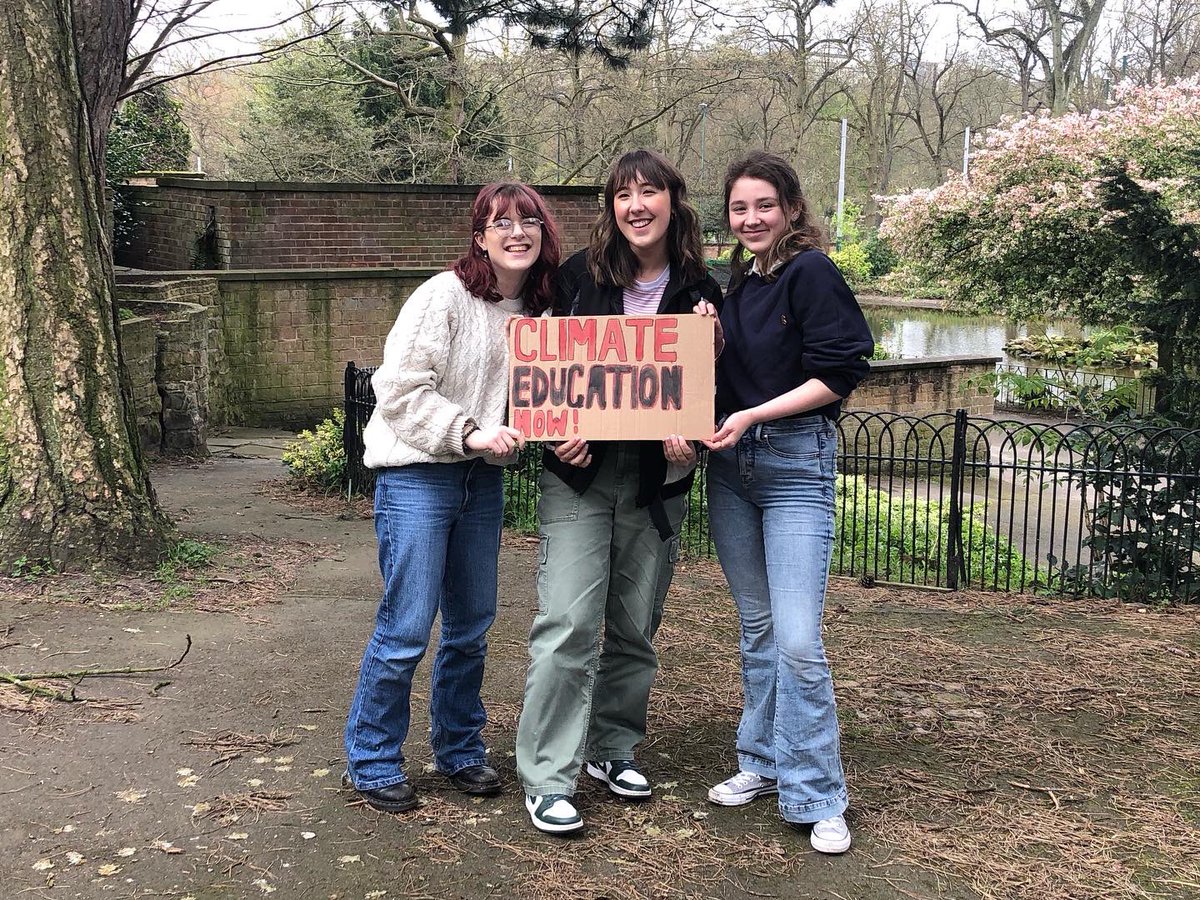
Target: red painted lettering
<point>665,335</point>
<point>639,327</point>
<point>613,341</point>
<point>521,326</point>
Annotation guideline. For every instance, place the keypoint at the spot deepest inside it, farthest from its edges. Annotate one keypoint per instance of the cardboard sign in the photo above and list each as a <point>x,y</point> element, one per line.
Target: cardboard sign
<point>611,378</point>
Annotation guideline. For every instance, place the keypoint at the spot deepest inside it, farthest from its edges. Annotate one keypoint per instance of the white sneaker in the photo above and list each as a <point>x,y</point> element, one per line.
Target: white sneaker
<point>831,835</point>
<point>622,777</point>
<point>741,789</point>
<point>553,813</point>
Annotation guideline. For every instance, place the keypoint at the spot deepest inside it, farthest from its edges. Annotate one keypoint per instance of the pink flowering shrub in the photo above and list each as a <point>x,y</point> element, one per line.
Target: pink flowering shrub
<point>1029,236</point>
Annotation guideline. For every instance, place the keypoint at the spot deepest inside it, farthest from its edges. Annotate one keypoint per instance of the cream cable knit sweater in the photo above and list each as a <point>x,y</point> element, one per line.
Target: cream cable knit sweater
<point>446,359</point>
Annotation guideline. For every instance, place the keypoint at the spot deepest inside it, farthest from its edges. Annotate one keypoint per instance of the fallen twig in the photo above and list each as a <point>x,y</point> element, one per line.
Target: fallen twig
<point>22,679</point>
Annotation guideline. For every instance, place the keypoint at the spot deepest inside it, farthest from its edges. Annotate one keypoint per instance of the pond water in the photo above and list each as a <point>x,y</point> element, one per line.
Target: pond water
<point>914,333</point>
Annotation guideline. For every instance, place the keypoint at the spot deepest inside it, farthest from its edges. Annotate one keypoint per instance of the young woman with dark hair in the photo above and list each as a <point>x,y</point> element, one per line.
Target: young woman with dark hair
<point>437,438</point>
<point>796,344</point>
<point>609,516</point>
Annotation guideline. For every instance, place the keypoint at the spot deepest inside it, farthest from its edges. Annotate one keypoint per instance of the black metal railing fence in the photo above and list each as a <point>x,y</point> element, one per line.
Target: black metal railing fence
<point>1056,389</point>
<point>952,501</point>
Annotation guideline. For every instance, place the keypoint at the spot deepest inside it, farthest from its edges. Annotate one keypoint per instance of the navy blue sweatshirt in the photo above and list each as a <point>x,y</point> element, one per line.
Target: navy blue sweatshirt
<point>778,334</point>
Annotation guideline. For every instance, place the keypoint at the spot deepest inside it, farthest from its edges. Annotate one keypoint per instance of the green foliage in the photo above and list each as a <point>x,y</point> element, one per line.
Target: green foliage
<point>852,223</point>
<point>907,539</point>
<point>183,556</point>
<point>714,219</point>
<point>31,567</point>
<point>852,260</point>
<point>1096,399</point>
<point>147,134</point>
<point>522,491</point>
<point>306,123</point>
<point>1118,347</point>
<point>881,257</point>
<point>1141,528</point>
<point>317,458</point>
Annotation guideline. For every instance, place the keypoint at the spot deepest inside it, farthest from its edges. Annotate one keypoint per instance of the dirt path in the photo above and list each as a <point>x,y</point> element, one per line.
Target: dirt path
<point>973,734</point>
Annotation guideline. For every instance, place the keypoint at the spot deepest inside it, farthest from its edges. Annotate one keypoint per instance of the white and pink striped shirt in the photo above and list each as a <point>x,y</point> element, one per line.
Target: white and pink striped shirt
<point>644,297</point>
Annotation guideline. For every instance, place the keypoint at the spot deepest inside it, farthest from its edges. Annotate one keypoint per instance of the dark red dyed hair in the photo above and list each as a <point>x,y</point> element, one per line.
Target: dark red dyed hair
<point>475,270</point>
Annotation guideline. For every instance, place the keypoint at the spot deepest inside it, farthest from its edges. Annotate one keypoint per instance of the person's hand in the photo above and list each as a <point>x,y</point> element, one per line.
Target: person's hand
<point>679,451</point>
<point>574,452</point>
<point>730,431</point>
<point>704,308</point>
<point>498,440</point>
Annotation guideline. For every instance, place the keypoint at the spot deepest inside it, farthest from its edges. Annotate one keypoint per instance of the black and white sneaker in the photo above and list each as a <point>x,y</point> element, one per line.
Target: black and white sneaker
<point>553,813</point>
<point>622,777</point>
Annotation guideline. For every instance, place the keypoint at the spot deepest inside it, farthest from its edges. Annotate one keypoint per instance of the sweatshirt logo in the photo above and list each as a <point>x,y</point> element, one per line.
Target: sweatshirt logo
<point>783,320</point>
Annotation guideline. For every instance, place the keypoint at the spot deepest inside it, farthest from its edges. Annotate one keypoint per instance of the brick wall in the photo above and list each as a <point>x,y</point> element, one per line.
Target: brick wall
<point>918,387</point>
<point>265,225</point>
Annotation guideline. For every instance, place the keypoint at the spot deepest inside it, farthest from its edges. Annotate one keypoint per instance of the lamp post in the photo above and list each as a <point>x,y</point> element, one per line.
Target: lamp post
<point>837,242</point>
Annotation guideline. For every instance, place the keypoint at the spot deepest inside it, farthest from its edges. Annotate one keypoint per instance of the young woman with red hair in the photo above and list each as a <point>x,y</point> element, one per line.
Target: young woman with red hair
<point>437,438</point>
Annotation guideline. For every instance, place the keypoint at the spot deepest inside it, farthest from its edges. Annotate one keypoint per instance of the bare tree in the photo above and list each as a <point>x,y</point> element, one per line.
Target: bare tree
<point>1057,34</point>
<point>804,57</point>
<point>1156,39</point>
<point>891,39</point>
<point>944,98</point>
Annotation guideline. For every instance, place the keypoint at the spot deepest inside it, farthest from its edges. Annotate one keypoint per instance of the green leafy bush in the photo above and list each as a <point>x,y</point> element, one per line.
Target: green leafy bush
<point>880,256</point>
<point>184,555</point>
<point>317,458</point>
<point>909,540</point>
<point>1120,346</point>
<point>852,260</point>
<point>1141,528</point>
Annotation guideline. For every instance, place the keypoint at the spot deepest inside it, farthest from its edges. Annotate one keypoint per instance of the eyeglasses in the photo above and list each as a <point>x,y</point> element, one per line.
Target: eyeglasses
<point>504,227</point>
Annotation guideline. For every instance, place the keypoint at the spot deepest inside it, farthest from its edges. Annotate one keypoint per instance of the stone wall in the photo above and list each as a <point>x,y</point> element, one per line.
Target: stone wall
<point>166,352</point>
<point>185,223</point>
<point>275,345</point>
<point>918,387</point>
<point>281,339</point>
<point>138,351</point>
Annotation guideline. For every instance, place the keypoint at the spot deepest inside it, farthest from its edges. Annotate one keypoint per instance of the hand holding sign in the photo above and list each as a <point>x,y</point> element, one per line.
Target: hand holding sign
<point>611,377</point>
<point>704,308</point>
<point>499,440</point>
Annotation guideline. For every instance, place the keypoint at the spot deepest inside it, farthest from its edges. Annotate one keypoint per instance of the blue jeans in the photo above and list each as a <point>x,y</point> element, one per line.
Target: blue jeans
<point>770,505</point>
<point>438,526</point>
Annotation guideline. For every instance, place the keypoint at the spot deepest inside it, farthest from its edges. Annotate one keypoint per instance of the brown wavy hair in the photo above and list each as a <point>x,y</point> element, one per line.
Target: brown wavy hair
<point>475,270</point>
<point>610,259</point>
<point>805,233</point>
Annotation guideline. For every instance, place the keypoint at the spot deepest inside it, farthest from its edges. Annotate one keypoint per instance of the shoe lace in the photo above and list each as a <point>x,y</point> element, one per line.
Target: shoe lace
<point>835,824</point>
<point>744,780</point>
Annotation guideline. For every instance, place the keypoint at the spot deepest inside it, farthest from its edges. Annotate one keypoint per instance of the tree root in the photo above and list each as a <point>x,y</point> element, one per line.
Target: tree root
<point>24,680</point>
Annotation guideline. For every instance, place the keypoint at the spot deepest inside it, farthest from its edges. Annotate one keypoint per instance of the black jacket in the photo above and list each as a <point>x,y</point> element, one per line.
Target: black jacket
<point>576,293</point>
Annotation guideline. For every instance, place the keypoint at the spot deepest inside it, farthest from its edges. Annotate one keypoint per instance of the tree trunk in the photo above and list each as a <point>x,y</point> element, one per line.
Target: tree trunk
<point>102,29</point>
<point>456,96</point>
<point>73,486</point>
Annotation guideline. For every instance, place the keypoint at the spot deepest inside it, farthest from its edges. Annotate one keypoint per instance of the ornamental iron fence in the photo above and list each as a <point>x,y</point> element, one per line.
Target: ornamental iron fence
<point>1054,389</point>
<point>953,502</point>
